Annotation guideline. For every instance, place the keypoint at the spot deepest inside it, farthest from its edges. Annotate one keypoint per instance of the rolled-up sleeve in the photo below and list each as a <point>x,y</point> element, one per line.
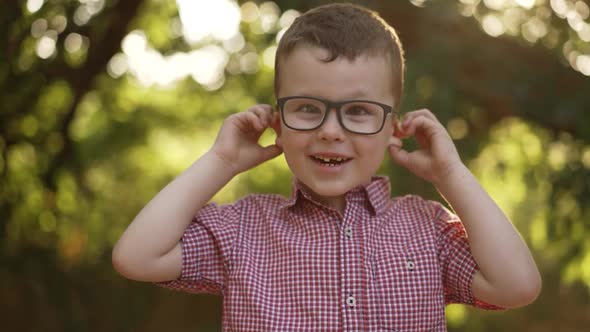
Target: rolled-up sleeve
<point>458,265</point>
<point>207,245</point>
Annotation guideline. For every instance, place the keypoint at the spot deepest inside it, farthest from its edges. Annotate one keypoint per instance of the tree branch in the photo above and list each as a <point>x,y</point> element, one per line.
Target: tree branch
<point>103,46</point>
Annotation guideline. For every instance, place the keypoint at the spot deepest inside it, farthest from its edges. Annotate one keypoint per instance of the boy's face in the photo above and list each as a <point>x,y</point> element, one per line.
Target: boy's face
<point>303,73</point>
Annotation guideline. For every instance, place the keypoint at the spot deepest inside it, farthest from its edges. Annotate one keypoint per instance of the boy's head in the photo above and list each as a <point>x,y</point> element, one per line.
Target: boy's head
<point>338,82</point>
<point>344,30</point>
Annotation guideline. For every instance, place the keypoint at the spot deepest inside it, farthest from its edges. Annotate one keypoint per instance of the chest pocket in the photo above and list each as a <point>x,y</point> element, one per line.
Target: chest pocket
<point>407,291</point>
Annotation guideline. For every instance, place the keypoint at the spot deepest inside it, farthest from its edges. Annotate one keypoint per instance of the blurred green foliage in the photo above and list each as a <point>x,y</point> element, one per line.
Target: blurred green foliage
<point>87,139</point>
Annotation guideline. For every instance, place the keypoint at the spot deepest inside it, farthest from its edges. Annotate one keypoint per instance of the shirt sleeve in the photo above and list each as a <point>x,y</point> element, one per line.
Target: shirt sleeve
<point>207,246</point>
<point>457,263</point>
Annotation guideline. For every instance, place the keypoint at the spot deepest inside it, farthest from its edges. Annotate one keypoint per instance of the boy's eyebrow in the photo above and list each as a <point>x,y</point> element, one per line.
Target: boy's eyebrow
<point>355,94</point>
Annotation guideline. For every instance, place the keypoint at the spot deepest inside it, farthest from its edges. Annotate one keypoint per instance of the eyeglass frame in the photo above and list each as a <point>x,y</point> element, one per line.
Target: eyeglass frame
<point>337,106</point>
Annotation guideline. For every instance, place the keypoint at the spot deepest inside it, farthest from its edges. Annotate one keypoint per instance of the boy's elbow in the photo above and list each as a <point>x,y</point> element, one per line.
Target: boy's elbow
<point>138,267</point>
<point>123,263</point>
<point>533,291</point>
<point>527,291</point>
<point>119,261</point>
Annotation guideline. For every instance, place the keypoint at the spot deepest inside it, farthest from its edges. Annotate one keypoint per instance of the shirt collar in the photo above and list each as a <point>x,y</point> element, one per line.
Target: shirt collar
<point>378,193</point>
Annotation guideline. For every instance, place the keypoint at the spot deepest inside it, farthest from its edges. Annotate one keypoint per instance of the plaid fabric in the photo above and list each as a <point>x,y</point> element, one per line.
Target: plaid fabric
<point>295,265</point>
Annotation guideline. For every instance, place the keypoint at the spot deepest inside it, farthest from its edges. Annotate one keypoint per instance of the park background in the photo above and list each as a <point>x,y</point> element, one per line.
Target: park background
<point>102,102</point>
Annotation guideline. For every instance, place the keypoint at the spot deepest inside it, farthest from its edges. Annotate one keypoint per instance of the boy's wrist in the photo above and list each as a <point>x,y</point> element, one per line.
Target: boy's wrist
<point>454,175</point>
<point>221,166</point>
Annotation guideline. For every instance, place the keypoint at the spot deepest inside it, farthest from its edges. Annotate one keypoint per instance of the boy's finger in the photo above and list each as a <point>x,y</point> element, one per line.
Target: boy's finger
<point>264,111</point>
<point>271,151</point>
<point>420,123</point>
<point>396,142</point>
<point>401,131</point>
<point>254,121</point>
<point>258,111</point>
<point>399,155</point>
<point>408,117</point>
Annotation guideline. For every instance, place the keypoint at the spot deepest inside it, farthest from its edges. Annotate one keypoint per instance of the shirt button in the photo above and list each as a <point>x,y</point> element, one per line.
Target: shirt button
<point>351,301</point>
<point>410,264</point>
<point>348,232</point>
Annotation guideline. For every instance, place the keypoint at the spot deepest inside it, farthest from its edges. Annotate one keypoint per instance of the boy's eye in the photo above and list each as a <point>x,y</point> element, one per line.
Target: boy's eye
<point>307,108</point>
<point>358,110</point>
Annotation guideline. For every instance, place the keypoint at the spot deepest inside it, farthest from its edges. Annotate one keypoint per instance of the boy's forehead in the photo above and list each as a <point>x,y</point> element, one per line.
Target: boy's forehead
<point>307,69</point>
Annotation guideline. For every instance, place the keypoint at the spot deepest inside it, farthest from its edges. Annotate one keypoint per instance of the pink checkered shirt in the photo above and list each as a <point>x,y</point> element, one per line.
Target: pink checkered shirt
<point>295,265</point>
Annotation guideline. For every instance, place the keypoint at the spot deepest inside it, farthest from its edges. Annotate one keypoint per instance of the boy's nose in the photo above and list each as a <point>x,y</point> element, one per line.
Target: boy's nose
<point>331,128</point>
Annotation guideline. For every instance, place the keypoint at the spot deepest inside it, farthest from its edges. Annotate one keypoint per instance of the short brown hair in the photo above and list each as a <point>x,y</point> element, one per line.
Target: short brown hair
<point>347,30</point>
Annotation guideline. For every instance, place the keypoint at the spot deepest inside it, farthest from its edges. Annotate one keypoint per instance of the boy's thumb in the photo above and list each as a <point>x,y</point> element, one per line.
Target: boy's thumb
<point>399,155</point>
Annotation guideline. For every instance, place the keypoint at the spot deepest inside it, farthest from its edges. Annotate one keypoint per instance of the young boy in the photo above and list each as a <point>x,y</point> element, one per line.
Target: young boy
<point>340,253</point>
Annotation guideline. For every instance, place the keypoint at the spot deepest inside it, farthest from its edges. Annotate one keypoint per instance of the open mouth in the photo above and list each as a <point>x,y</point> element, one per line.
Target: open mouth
<point>330,161</point>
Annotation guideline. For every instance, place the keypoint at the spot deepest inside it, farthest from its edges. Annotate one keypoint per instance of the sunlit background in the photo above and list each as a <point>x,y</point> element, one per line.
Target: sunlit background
<point>104,102</point>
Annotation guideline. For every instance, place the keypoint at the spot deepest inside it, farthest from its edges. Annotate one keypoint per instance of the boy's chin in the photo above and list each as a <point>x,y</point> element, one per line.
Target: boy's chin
<point>330,190</point>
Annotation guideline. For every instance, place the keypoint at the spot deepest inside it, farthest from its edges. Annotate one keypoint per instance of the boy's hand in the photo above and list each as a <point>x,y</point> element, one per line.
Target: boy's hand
<point>507,275</point>
<point>436,157</point>
<point>237,141</point>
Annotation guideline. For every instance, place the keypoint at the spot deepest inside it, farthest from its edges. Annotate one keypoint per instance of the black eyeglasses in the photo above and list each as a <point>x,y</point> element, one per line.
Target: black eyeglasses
<point>357,116</point>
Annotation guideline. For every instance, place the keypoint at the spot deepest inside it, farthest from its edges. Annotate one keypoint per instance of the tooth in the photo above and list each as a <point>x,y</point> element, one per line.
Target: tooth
<point>330,160</point>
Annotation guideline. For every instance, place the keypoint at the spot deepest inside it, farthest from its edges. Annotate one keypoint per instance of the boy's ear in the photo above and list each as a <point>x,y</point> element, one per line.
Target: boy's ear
<point>395,139</point>
<point>276,126</point>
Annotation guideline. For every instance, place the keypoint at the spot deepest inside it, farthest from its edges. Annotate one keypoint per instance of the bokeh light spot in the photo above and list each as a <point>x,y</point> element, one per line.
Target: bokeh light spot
<point>288,18</point>
<point>200,19</point>
<point>34,5</point>
<point>528,4</point>
<point>495,4</point>
<point>118,65</point>
<point>582,9</point>
<point>418,3</point>
<point>586,157</point>
<point>269,16</point>
<point>59,23</point>
<point>583,64</point>
<point>492,25</point>
<point>29,126</point>
<point>557,155</point>
<point>234,44</point>
<point>73,42</point>
<point>249,63</point>
<point>268,57</point>
<point>249,11</point>
<point>45,47</point>
<point>38,27</point>
<point>457,128</point>
<point>82,15</point>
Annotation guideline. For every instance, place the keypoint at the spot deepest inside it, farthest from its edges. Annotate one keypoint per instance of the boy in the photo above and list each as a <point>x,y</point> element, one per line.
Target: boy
<point>339,254</point>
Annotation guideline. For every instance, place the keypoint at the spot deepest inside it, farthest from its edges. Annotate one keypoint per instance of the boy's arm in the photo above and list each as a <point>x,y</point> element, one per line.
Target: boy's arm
<point>507,276</point>
<point>150,250</point>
